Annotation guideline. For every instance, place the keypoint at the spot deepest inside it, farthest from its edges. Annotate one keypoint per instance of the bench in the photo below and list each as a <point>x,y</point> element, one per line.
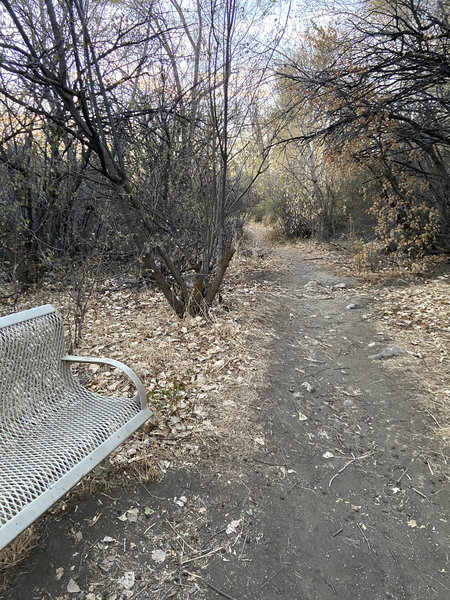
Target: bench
<point>53,431</point>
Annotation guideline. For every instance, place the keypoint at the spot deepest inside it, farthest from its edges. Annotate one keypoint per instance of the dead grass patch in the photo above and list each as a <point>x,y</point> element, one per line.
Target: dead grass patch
<point>15,553</point>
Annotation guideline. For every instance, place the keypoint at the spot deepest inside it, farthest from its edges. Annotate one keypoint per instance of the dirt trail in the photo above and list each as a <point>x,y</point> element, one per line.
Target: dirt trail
<point>339,498</point>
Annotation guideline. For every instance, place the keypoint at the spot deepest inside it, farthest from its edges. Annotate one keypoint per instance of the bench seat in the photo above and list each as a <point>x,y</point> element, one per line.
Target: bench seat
<point>53,431</point>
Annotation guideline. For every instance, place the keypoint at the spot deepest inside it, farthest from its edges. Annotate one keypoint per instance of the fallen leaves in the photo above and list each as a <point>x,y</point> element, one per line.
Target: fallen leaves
<point>424,306</point>
<point>107,563</point>
<point>181,501</point>
<point>127,580</point>
<point>131,515</point>
<point>72,587</point>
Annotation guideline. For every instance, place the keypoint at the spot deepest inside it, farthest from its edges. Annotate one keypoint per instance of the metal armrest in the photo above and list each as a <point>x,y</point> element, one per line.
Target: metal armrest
<point>119,365</point>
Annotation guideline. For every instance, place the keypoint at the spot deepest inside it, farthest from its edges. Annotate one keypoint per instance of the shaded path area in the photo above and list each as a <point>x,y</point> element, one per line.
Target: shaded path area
<point>341,497</point>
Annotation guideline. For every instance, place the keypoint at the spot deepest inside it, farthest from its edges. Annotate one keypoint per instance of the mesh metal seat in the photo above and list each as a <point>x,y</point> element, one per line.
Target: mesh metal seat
<point>52,430</point>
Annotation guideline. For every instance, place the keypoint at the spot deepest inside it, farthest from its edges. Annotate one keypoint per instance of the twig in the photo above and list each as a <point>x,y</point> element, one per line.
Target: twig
<point>193,574</point>
<point>243,545</point>
<point>151,527</point>
<point>417,492</point>
<point>320,371</point>
<point>436,581</point>
<point>439,329</point>
<point>181,537</point>
<point>204,555</point>
<point>365,537</point>
<point>309,490</point>
<point>213,536</point>
<point>169,591</point>
<point>261,462</point>
<point>377,381</point>
<point>434,418</point>
<point>366,455</point>
<point>177,554</point>
<point>140,592</point>
<point>401,476</point>
<point>220,592</point>
<point>340,471</point>
<point>292,487</point>
<point>337,532</point>
<point>271,577</point>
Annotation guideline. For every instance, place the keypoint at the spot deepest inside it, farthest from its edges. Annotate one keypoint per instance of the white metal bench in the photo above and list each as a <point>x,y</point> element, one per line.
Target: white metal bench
<point>52,430</point>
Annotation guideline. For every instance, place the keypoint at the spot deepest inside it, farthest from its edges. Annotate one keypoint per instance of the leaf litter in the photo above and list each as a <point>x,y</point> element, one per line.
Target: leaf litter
<point>191,370</point>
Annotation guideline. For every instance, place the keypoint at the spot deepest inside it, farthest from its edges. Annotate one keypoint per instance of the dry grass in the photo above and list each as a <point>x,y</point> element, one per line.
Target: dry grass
<point>15,553</point>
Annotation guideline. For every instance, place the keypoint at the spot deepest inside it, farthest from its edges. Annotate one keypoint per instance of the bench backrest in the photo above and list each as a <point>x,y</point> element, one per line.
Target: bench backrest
<point>31,347</point>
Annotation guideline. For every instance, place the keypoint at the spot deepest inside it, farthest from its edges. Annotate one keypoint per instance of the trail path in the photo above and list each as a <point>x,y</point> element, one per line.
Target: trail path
<point>342,497</point>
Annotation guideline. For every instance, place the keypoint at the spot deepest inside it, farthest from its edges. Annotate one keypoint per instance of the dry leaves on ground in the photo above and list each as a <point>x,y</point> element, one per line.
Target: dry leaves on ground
<point>197,371</point>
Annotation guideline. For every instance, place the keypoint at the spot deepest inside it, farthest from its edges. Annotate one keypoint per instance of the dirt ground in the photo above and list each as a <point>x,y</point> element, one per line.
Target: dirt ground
<point>329,482</point>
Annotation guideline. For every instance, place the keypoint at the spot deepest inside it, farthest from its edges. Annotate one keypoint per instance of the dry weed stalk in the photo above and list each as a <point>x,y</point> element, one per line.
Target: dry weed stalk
<point>15,553</point>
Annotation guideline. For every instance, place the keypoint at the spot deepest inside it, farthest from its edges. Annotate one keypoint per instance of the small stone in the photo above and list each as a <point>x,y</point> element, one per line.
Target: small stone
<point>309,387</point>
<point>339,286</point>
<point>311,284</point>
<point>351,306</point>
<point>108,539</point>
